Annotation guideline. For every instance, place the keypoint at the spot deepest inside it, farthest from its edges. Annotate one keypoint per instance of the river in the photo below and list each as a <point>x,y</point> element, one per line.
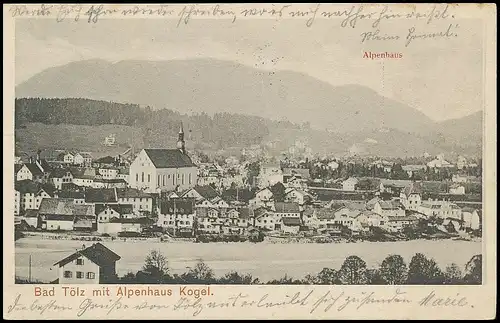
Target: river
<point>263,260</point>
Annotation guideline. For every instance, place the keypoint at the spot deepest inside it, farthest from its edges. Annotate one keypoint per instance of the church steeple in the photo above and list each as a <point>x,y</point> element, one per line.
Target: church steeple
<point>181,144</point>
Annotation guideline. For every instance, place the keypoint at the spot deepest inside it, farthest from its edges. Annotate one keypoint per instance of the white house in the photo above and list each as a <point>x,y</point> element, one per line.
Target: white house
<point>208,220</point>
<point>457,189</point>
<point>264,197</point>
<point>178,215</point>
<point>297,196</point>
<point>440,209</point>
<point>350,184</point>
<point>411,196</point>
<point>109,172</point>
<point>472,218</point>
<point>388,209</point>
<point>60,176</point>
<point>31,171</point>
<point>78,159</point>
<point>163,169</point>
<point>92,265</point>
<point>67,158</point>
<point>268,220</point>
<point>270,174</point>
<point>140,201</point>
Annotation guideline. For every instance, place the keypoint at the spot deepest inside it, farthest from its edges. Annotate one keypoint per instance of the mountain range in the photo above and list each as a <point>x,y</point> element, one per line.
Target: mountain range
<point>350,114</point>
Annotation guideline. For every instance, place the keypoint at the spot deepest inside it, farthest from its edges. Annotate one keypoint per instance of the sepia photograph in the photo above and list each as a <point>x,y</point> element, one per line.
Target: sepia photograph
<point>201,151</point>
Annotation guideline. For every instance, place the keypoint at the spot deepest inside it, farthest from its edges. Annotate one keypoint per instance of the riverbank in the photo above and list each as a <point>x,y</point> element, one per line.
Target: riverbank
<point>266,260</point>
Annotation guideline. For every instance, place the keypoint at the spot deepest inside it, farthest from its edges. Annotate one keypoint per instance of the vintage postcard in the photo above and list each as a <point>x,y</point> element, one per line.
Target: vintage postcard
<point>244,161</point>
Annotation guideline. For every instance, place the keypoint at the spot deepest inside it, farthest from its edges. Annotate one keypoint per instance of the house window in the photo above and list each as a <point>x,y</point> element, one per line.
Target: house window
<point>149,178</point>
<point>68,274</point>
<point>189,178</point>
<point>79,274</point>
<point>163,180</point>
<point>142,177</point>
<point>90,275</point>
<point>158,183</point>
<point>79,262</point>
<point>182,179</point>
<point>137,177</point>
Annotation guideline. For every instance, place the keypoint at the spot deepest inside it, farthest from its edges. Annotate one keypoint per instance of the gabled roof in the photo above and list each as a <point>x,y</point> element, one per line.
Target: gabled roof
<point>206,191</point>
<point>106,160</point>
<point>413,188</point>
<point>177,206</point>
<point>34,169</point>
<point>61,172</point>
<point>291,221</point>
<point>301,172</point>
<point>169,158</point>
<point>284,207</point>
<point>246,213</point>
<point>72,194</point>
<point>97,253</point>
<point>388,205</point>
<point>26,186</point>
<point>119,208</point>
<point>101,195</point>
<point>17,167</point>
<point>62,206</point>
<point>131,192</point>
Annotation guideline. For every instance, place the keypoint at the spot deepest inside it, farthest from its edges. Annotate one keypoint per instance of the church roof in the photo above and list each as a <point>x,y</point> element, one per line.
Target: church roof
<point>169,158</point>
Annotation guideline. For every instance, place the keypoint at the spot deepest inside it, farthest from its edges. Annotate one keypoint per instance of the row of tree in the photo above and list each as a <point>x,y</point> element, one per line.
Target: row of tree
<point>217,131</point>
<point>354,271</point>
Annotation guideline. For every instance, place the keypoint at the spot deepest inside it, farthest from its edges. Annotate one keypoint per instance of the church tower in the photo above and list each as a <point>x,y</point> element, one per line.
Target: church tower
<point>181,144</point>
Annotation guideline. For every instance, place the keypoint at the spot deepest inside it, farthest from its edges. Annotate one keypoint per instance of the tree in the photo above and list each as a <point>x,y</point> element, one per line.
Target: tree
<point>353,271</point>
<point>374,277</point>
<point>156,263</point>
<point>328,276</point>
<point>278,190</point>
<point>474,270</point>
<point>394,270</point>
<point>453,275</point>
<point>236,279</point>
<point>424,271</point>
<point>200,273</point>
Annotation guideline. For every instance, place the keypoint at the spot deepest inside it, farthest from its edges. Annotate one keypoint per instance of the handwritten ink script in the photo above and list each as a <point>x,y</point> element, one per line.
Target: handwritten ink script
<point>369,18</point>
<point>311,302</point>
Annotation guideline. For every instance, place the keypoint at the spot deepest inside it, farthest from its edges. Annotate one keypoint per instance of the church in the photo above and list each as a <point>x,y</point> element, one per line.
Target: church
<point>157,170</point>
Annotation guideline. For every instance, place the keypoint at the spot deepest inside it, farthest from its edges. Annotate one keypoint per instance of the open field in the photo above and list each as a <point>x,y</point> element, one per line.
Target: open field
<point>263,260</point>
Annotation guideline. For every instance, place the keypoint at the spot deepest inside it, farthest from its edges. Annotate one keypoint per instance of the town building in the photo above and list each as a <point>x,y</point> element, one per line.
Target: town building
<point>156,170</point>
<point>140,201</point>
<point>350,184</point>
<point>411,196</point>
<point>177,216</point>
<point>92,265</point>
<point>440,209</point>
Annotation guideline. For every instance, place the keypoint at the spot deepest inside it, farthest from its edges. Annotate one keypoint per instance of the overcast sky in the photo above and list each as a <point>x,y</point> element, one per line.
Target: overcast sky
<point>441,78</point>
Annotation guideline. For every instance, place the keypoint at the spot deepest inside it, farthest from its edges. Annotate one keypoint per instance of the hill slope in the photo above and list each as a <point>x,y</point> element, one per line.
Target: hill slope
<point>209,85</point>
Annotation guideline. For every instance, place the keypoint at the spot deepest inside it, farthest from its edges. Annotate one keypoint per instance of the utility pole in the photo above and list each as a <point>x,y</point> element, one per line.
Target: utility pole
<point>29,271</point>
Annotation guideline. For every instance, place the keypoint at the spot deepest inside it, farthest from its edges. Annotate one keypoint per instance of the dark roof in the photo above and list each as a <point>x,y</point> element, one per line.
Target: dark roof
<point>169,158</point>
<point>291,221</point>
<point>413,188</point>
<point>283,207</point>
<point>302,172</point>
<point>131,192</point>
<point>31,213</point>
<point>59,217</point>
<point>119,208</point>
<point>34,169</point>
<point>402,218</point>
<point>60,172</point>
<point>179,205</point>
<point>17,167</point>
<point>206,191</point>
<point>26,186</point>
<point>141,220</point>
<point>66,207</point>
<point>245,213</point>
<point>72,194</point>
<point>97,253</point>
<point>111,180</point>
<point>106,160</point>
<point>101,195</point>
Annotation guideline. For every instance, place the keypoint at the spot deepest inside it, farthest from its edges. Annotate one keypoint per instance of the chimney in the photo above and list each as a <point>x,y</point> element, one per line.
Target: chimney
<point>38,153</point>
